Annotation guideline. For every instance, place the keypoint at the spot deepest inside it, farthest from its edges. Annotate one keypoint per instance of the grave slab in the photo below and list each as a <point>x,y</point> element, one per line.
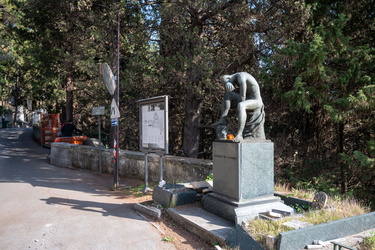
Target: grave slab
<point>212,227</point>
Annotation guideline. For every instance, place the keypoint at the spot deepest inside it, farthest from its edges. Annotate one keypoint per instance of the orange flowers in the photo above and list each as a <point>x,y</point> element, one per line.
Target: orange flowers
<point>230,137</point>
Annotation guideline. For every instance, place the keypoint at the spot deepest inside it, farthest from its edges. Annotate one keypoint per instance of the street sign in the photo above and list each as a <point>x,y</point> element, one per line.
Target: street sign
<point>114,122</point>
<point>98,110</point>
<point>115,113</point>
<point>109,78</point>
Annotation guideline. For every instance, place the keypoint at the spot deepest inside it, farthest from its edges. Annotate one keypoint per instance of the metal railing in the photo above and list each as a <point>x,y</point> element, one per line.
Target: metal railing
<point>339,246</point>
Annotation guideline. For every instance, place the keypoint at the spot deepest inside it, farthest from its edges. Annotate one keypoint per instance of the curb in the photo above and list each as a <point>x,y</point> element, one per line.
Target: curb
<point>150,211</point>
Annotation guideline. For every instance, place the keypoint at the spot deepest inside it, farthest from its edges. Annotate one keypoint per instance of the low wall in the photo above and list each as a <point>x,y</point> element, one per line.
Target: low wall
<point>299,238</point>
<point>131,163</point>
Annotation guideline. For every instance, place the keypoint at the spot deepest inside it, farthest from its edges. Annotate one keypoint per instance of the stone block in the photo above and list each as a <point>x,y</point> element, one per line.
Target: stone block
<point>237,212</point>
<point>240,239</point>
<point>243,170</point>
<point>150,211</point>
<point>172,195</point>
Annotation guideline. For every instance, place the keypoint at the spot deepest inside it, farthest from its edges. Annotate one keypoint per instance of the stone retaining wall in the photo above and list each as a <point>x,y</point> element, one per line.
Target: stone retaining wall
<point>299,238</point>
<point>131,163</point>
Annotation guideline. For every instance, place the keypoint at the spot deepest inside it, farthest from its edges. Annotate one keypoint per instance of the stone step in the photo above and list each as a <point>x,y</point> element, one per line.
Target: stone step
<point>202,223</point>
<point>212,228</point>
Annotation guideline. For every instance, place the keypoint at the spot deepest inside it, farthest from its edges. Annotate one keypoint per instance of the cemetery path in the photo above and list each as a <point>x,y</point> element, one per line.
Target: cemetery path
<point>48,207</point>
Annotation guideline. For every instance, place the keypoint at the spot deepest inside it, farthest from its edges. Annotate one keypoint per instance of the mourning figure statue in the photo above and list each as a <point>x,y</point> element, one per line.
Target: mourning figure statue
<point>242,91</point>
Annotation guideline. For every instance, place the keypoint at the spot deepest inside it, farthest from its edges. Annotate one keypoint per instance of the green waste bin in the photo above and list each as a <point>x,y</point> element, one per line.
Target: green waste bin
<point>6,124</point>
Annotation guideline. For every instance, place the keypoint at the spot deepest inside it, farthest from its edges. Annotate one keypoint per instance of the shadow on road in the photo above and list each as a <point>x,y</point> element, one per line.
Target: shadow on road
<point>23,160</point>
<point>106,209</point>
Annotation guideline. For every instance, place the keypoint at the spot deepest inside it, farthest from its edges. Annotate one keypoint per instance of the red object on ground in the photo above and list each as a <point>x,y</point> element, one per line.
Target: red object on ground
<point>49,127</point>
<point>72,140</point>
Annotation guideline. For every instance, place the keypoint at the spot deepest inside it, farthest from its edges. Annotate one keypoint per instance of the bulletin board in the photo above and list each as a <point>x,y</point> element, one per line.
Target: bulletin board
<point>153,125</point>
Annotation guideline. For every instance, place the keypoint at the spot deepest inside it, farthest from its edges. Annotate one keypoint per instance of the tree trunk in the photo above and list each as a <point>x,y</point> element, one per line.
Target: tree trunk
<point>69,99</point>
<point>16,98</point>
<point>191,125</point>
<point>342,164</point>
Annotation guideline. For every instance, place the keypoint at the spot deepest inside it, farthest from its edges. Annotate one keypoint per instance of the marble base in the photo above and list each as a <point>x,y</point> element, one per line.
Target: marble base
<point>243,181</point>
<point>247,210</point>
<point>243,171</point>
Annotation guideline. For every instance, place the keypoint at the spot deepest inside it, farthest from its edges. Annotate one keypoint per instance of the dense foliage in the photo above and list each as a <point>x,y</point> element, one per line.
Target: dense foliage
<point>314,60</point>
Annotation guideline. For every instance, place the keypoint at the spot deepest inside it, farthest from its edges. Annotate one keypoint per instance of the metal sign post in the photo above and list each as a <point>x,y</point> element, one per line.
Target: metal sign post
<point>153,120</point>
<point>100,145</point>
<point>117,99</point>
<point>115,114</point>
<point>146,188</point>
<point>112,83</point>
<point>99,111</point>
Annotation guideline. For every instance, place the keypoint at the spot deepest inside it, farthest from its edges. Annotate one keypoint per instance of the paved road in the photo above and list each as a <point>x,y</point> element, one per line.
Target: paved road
<point>47,207</point>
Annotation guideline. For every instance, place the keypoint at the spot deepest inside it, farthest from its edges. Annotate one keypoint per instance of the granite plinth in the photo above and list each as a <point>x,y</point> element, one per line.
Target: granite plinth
<point>243,171</point>
<point>243,183</point>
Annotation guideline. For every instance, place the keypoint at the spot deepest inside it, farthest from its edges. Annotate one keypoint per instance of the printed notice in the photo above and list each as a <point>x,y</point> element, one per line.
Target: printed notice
<point>153,126</point>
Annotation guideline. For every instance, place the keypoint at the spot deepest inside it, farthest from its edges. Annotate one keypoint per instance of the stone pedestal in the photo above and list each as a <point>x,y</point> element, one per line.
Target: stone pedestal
<point>243,180</point>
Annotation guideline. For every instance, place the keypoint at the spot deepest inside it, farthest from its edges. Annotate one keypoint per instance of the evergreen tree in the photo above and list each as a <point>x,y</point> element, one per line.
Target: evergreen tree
<point>322,75</point>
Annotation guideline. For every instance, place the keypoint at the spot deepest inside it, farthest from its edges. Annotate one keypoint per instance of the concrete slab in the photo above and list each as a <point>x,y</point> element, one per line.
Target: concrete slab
<point>202,223</point>
<point>212,228</point>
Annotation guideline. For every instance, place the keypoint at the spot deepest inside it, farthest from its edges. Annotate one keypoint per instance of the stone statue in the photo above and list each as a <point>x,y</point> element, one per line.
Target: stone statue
<point>247,99</point>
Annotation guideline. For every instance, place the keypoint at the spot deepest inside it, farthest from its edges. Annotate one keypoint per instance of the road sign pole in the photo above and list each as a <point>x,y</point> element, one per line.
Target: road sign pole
<point>99,111</point>
<point>100,144</point>
<point>117,99</point>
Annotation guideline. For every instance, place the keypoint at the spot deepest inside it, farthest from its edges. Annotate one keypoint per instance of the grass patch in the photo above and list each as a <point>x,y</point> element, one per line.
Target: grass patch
<point>136,191</point>
<point>339,208</point>
<point>168,239</point>
<point>284,189</point>
<point>369,242</point>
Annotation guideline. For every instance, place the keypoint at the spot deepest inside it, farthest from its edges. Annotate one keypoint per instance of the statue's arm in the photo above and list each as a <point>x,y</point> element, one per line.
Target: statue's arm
<point>243,89</point>
<point>229,86</point>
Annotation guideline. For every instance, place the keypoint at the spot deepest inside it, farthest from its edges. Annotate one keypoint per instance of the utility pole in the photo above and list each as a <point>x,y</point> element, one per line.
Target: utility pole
<point>117,100</point>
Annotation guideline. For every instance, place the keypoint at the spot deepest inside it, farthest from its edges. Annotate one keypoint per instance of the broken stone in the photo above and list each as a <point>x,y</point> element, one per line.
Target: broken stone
<point>313,247</point>
<point>274,215</point>
<point>200,184</point>
<point>208,190</point>
<point>271,242</point>
<point>296,224</point>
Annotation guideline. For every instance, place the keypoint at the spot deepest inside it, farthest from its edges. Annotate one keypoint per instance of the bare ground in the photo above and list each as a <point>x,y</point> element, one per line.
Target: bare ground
<point>170,231</point>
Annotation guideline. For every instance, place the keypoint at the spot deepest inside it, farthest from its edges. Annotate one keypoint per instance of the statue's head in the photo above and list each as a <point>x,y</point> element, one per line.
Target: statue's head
<point>225,78</point>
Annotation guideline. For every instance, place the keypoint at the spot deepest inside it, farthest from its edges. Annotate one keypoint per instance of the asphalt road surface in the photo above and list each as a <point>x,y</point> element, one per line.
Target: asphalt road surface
<point>47,207</point>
